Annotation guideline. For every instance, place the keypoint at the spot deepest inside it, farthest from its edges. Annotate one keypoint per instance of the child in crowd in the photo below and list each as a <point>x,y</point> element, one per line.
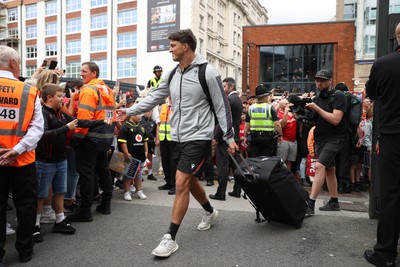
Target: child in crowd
<point>243,143</point>
<point>132,141</point>
<point>51,158</point>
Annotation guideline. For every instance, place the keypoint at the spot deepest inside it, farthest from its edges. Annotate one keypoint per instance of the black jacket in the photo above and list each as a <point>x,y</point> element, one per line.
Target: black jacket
<point>384,86</point>
<point>52,146</point>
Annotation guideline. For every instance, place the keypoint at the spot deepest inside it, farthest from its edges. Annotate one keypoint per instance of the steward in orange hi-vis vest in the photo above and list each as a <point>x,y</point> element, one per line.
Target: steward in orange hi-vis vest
<point>96,102</point>
<point>17,106</point>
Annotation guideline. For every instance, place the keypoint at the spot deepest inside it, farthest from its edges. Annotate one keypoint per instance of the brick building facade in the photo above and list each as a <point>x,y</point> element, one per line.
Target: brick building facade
<point>339,36</point>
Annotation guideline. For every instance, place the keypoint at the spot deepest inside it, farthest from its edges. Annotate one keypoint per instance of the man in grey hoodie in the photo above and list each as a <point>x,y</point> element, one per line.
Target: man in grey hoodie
<point>192,126</point>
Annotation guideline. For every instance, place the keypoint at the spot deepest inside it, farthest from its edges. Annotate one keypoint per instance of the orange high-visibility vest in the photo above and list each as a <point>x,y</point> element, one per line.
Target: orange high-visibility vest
<point>17,106</point>
<point>96,102</point>
<point>165,128</point>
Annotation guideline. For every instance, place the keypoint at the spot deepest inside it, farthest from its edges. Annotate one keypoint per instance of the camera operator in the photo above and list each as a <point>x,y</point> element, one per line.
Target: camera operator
<point>329,107</point>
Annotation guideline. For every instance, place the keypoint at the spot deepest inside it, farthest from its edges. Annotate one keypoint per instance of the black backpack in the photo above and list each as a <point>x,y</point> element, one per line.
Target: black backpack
<point>353,112</point>
<point>203,82</point>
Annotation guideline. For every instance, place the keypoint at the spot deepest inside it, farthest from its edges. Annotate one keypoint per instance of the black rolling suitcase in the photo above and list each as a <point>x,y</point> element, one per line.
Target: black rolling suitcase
<point>272,189</point>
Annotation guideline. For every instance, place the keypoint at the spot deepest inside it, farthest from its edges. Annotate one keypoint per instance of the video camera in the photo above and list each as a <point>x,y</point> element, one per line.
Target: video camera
<point>299,104</point>
<point>298,107</point>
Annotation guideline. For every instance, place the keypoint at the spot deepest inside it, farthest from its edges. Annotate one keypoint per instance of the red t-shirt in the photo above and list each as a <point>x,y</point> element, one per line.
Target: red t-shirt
<point>242,143</point>
<point>288,132</point>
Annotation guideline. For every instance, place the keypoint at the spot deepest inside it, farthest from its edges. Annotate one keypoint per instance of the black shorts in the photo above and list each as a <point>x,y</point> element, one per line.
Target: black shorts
<point>151,145</point>
<point>189,156</point>
<point>326,150</point>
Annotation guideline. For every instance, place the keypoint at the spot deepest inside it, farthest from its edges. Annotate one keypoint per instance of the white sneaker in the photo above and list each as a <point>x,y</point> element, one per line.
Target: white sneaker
<point>48,217</point>
<point>207,219</point>
<point>166,247</point>
<point>132,189</point>
<point>140,195</point>
<point>9,230</point>
<point>127,196</point>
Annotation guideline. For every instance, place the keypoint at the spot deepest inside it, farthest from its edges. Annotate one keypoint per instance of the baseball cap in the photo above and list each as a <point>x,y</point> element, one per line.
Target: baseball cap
<point>130,100</point>
<point>323,74</point>
<point>261,91</point>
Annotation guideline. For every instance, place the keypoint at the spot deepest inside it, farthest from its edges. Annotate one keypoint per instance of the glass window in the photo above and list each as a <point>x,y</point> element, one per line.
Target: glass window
<point>73,5</point>
<point>350,11</point>
<point>102,63</point>
<point>286,67</point>
<point>127,40</point>
<point>95,3</point>
<point>51,7</point>
<point>51,29</point>
<point>30,70</point>
<point>127,17</point>
<point>126,67</point>
<point>12,14</point>
<point>51,50</point>
<point>98,43</point>
<point>98,21</point>
<point>31,51</point>
<point>201,22</point>
<point>13,33</point>
<point>31,32</point>
<point>396,9</point>
<point>73,47</point>
<point>73,25</point>
<point>31,11</point>
<point>73,69</point>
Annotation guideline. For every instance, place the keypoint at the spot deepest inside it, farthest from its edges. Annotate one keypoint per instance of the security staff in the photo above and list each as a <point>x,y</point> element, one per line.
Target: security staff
<point>153,82</point>
<point>96,102</point>
<point>163,140</point>
<point>21,127</point>
<point>263,123</point>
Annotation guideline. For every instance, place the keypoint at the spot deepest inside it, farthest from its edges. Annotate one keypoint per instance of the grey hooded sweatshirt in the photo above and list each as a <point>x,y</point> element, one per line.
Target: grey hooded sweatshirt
<point>191,118</point>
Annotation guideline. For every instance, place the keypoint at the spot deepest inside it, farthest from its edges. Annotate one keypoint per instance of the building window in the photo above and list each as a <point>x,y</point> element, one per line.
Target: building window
<point>102,63</point>
<point>73,5</point>
<point>98,21</point>
<point>127,40</point>
<point>350,11</point>
<point>31,51</point>
<point>234,38</point>
<point>12,14</point>
<point>51,7</point>
<point>73,25</point>
<point>13,33</point>
<point>73,47</point>
<point>51,50</point>
<point>95,3</point>
<point>98,43</point>
<point>201,22</point>
<point>395,9</point>
<point>210,22</point>
<point>73,69</point>
<point>51,29</point>
<point>290,66</point>
<point>370,16</point>
<point>31,11</point>
<point>30,70</point>
<point>201,46</point>
<point>127,17</point>
<point>31,32</point>
<point>369,44</point>
<point>126,67</point>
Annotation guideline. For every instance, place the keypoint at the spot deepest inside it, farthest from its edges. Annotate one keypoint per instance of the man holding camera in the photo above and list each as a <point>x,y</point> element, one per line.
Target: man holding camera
<point>329,108</point>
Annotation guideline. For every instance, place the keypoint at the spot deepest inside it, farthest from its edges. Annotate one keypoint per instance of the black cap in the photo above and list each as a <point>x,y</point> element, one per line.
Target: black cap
<point>157,68</point>
<point>261,91</point>
<point>342,87</point>
<point>130,100</point>
<point>323,74</point>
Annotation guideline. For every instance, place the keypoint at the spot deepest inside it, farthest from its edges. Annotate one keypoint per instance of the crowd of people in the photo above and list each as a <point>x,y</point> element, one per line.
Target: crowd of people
<point>57,141</point>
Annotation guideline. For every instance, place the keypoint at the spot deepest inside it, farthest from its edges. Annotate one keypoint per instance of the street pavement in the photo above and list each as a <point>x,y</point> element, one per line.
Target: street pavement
<point>133,230</point>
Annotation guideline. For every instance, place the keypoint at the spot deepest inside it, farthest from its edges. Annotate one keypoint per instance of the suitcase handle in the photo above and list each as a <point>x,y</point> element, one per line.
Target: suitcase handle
<point>245,163</point>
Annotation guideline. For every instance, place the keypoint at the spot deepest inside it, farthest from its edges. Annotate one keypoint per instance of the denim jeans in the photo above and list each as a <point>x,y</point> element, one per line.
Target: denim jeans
<point>54,174</point>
